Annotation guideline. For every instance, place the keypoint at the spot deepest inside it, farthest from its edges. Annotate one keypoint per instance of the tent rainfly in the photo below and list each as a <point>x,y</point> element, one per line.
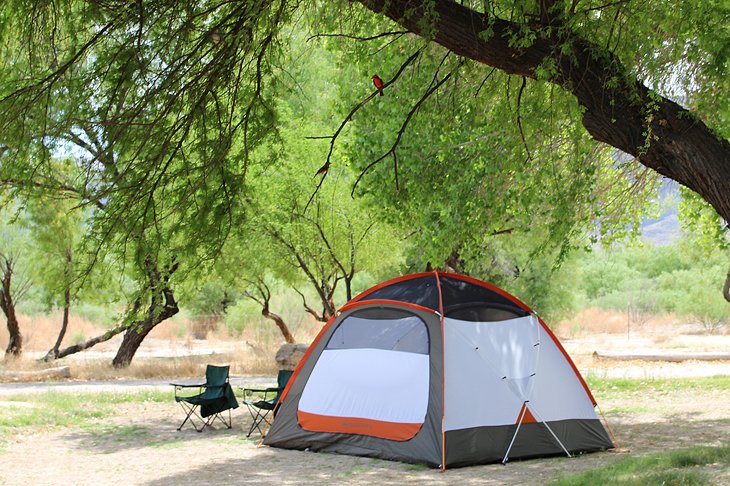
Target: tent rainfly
<point>439,369</point>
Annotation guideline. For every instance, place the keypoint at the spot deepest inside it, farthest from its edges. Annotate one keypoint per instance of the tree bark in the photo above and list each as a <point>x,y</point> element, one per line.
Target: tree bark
<point>288,337</point>
<point>137,331</point>
<point>53,352</point>
<point>92,342</point>
<point>618,111</point>
<point>15,339</point>
<point>157,312</point>
<point>726,287</point>
<point>264,300</point>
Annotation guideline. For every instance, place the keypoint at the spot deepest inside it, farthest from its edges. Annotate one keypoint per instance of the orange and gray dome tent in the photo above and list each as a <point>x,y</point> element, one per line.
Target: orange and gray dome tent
<point>439,369</point>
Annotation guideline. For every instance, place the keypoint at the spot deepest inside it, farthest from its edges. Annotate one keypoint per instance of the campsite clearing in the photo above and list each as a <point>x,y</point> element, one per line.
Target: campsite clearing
<point>133,441</point>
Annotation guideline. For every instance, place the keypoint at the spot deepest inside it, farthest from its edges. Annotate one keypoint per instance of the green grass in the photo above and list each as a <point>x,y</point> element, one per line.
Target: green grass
<point>117,433</point>
<point>629,409</point>
<point>59,409</point>
<point>612,386</point>
<point>678,468</point>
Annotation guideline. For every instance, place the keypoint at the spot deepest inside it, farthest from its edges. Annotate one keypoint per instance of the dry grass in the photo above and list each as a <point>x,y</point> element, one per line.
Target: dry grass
<point>598,321</point>
<point>169,351</point>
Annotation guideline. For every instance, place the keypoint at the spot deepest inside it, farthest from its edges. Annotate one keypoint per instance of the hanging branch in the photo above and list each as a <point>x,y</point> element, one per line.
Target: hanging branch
<point>392,151</point>
<point>325,168</point>
<point>354,37</point>
<point>519,119</point>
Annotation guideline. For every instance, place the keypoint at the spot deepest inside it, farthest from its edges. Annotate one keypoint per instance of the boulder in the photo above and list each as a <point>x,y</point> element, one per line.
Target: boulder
<point>289,355</point>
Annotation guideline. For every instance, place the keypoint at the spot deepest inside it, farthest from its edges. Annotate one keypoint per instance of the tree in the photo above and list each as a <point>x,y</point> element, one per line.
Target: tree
<point>221,57</point>
<point>184,100</point>
<point>551,40</point>
<point>10,294</point>
<point>54,225</point>
<point>206,73</point>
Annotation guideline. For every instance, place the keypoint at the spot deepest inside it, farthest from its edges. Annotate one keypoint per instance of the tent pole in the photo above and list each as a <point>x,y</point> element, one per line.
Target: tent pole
<point>519,423</point>
<point>608,426</point>
<point>534,412</point>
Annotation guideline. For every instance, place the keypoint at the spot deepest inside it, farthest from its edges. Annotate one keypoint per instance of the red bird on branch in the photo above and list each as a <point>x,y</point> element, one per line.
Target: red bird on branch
<point>378,83</point>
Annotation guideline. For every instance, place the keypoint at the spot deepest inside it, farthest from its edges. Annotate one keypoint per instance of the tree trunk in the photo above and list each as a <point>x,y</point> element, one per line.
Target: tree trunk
<point>288,337</point>
<point>136,333</point>
<point>53,352</point>
<point>15,338</point>
<point>618,111</point>
<point>92,342</point>
<point>726,287</point>
<point>157,312</point>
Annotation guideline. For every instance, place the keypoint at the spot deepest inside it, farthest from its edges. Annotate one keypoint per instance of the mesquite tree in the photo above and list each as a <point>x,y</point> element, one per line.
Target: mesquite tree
<point>183,98</point>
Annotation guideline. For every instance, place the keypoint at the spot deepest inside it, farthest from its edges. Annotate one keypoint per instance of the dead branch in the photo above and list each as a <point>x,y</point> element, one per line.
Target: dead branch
<point>333,138</point>
<point>308,309</point>
<point>432,89</point>
<point>358,38</point>
<point>519,118</point>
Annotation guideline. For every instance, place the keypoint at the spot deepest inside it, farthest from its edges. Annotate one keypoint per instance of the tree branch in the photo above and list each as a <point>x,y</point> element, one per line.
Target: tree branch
<point>670,140</point>
<point>358,38</point>
<point>333,138</point>
<point>392,151</point>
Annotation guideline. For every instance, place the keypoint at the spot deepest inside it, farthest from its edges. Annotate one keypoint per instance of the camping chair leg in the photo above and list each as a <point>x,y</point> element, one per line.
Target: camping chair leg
<point>190,412</point>
<point>257,419</point>
<point>221,418</point>
<point>519,423</point>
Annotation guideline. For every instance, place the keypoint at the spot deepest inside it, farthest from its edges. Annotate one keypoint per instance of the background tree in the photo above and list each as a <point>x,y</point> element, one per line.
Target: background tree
<point>13,290</point>
<point>54,225</point>
<point>208,76</point>
<point>183,137</point>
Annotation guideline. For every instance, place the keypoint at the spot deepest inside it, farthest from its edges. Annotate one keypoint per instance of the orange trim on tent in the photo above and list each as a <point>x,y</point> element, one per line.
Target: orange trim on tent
<point>443,375</point>
<point>528,418</point>
<point>352,425</point>
<point>388,302</point>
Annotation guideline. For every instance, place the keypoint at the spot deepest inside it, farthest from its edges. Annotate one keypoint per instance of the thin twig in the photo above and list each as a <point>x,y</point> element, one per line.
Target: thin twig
<point>402,130</point>
<point>519,120</point>
<point>325,168</point>
<point>358,38</point>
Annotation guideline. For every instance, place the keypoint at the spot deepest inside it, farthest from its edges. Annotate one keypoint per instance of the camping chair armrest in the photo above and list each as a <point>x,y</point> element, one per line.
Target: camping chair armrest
<point>181,385</point>
<point>261,390</point>
<point>267,393</point>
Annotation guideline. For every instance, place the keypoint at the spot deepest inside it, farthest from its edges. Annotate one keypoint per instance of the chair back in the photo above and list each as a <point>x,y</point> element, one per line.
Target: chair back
<point>282,379</point>
<point>216,375</point>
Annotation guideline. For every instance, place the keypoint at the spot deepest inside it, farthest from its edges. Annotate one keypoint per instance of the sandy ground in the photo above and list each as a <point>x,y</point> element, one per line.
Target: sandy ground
<point>139,445</point>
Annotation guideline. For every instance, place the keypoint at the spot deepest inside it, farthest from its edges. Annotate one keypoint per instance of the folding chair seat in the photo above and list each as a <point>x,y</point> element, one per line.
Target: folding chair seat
<point>214,397</point>
<point>262,402</point>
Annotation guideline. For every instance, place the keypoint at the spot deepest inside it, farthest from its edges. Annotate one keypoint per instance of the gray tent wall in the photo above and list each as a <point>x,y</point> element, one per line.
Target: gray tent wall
<point>425,447</point>
<point>426,296</point>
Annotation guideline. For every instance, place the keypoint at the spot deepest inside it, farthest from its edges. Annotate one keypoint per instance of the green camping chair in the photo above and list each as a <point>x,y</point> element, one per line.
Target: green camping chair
<point>214,397</point>
<point>261,402</point>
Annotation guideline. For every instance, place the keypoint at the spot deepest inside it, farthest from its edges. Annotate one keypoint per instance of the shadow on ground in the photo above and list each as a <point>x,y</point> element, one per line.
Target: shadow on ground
<point>139,432</point>
<point>266,465</point>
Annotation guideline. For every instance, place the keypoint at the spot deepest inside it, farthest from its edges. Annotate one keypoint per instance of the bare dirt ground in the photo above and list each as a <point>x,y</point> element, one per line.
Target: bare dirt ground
<point>138,444</point>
